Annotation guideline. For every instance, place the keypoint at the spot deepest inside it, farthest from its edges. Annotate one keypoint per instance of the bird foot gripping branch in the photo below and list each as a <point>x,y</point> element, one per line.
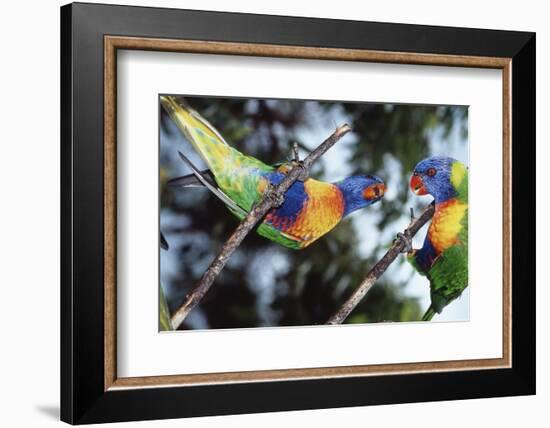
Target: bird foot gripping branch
<point>297,163</point>
<point>380,267</point>
<point>275,197</point>
<point>406,240</point>
<point>304,174</point>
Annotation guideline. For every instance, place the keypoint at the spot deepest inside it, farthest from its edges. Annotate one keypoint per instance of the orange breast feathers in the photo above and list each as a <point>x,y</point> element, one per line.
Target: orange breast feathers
<point>446,224</point>
<point>322,211</point>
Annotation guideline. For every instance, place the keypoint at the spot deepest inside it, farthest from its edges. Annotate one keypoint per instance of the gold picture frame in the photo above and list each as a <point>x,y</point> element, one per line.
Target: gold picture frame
<point>114,43</point>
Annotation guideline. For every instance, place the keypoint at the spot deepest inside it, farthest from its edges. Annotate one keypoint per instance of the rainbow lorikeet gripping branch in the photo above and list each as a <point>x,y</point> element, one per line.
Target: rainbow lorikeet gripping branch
<point>443,258</point>
<point>310,208</point>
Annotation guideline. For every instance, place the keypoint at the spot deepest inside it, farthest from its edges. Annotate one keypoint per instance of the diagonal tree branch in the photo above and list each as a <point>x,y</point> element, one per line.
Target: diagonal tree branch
<point>380,267</point>
<point>271,198</point>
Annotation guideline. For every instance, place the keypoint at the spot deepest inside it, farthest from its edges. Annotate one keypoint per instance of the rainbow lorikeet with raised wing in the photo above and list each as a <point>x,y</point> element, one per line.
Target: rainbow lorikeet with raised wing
<point>310,209</point>
<point>443,258</point>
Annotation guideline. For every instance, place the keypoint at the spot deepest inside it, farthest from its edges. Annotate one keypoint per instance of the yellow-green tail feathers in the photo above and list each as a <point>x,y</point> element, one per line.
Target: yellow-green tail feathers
<point>236,175</point>
<point>205,139</point>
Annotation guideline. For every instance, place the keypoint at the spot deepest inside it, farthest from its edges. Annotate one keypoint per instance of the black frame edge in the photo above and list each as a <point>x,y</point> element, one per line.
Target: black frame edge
<point>66,316</point>
<point>301,31</point>
<point>524,219</point>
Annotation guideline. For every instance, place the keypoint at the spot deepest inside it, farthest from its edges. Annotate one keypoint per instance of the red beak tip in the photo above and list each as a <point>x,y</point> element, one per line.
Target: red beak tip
<point>417,186</point>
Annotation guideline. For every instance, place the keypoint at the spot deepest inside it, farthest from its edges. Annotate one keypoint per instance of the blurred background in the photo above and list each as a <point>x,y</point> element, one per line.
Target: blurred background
<point>266,285</point>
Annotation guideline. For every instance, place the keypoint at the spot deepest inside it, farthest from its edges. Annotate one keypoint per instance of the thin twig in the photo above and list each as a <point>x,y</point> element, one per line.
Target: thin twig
<point>295,155</point>
<point>380,267</point>
<point>271,198</point>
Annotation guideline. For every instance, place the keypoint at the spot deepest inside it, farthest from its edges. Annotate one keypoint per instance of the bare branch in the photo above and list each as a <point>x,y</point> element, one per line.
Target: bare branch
<point>295,154</point>
<point>380,267</point>
<point>271,198</point>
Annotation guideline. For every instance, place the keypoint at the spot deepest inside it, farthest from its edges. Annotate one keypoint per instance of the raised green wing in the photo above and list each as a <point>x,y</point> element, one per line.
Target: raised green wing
<point>449,275</point>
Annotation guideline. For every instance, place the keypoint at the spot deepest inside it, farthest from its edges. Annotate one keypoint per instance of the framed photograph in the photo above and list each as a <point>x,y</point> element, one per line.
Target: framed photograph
<point>266,213</point>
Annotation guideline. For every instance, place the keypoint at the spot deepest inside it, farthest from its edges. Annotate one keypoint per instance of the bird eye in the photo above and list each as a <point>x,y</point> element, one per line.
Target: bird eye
<point>431,172</point>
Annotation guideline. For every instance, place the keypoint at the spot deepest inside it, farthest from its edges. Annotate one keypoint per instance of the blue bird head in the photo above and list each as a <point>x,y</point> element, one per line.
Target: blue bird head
<point>433,176</point>
<point>360,191</point>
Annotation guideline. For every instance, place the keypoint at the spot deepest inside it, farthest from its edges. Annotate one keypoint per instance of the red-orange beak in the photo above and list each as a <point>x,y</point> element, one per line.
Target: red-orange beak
<point>374,191</point>
<point>417,185</point>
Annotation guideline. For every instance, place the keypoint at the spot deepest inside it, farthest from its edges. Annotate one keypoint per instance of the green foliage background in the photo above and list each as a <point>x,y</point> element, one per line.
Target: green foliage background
<point>268,285</point>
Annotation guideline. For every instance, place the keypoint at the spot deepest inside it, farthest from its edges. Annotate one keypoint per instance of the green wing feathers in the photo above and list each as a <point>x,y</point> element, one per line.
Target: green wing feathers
<point>411,258</point>
<point>449,276</point>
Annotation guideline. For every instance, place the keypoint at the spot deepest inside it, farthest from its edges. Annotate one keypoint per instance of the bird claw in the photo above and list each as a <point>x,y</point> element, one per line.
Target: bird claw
<point>406,239</point>
<point>304,175</point>
<point>276,199</point>
<point>298,163</point>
